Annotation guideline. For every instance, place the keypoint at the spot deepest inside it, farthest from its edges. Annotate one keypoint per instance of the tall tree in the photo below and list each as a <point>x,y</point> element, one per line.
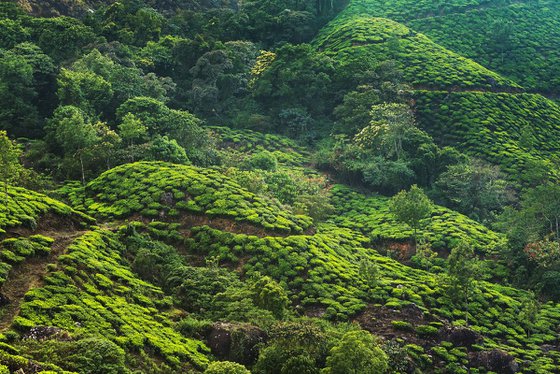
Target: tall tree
<point>411,207</point>
<point>475,188</point>
<point>73,133</point>
<point>463,270</point>
<point>10,166</point>
<point>390,123</point>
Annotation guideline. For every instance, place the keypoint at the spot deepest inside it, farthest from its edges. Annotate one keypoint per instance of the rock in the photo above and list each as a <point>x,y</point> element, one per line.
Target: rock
<point>47,332</point>
<point>167,198</point>
<point>462,336</point>
<point>4,300</point>
<point>412,311</point>
<point>497,361</point>
<point>235,342</point>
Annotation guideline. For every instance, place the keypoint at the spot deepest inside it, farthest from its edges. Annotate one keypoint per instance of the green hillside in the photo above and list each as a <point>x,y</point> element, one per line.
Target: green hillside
<point>444,229</point>
<point>25,209</point>
<point>505,128</point>
<point>322,273</point>
<point>513,38</point>
<point>516,40</point>
<point>279,187</point>
<point>164,190</point>
<point>355,36</point>
<point>518,132</point>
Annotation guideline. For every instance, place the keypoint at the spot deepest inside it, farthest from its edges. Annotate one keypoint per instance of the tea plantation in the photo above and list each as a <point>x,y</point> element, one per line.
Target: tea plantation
<point>444,229</point>
<point>25,208</point>
<point>354,37</point>
<point>513,131</point>
<point>516,40</point>
<point>280,187</point>
<point>91,292</point>
<point>322,274</point>
<point>166,190</point>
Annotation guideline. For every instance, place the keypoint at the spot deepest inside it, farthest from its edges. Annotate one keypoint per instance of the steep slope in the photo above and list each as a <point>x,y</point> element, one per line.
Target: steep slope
<point>89,289</point>
<point>514,38</point>
<point>157,189</point>
<point>23,210</point>
<point>489,119</point>
<point>354,36</point>
<point>520,133</point>
<point>324,277</point>
<point>444,229</point>
<point>91,292</point>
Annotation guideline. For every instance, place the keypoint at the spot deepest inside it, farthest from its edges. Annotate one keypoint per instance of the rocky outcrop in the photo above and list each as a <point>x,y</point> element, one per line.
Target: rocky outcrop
<point>497,361</point>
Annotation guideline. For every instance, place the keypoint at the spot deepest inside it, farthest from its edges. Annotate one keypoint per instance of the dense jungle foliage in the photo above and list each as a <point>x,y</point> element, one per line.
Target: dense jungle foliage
<point>279,186</point>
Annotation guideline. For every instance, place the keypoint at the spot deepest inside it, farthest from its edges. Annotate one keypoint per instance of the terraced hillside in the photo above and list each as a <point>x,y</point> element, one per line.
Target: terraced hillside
<point>489,118</point>
<point>322,273</point>
<point>93,292</point>
<point>357,36</point>
<point>518,40</point>
<point>165,190</point>
<point>444,229</point>
<point>191,244</point>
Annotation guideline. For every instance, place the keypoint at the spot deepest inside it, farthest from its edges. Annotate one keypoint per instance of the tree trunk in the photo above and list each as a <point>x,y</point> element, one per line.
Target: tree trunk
<point>83,171</point>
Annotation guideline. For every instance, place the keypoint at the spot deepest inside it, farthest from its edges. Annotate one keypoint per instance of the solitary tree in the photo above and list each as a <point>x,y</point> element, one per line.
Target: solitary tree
<point>463,269</point>
<point>10,167</point>
<point>529,312</point>
<point>356,353</point>
<point>411,207</point>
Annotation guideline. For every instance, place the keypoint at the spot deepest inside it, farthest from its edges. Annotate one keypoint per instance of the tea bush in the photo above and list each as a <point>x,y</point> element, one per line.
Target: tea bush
<point>93,292</point>
<point>157,189</point>
<point>22,207</point>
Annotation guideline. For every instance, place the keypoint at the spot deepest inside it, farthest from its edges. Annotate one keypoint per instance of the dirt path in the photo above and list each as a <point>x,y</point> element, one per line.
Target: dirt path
<point>29,274</point>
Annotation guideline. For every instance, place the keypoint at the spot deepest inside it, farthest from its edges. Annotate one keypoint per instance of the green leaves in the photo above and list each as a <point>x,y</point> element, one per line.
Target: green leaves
<point>411,207</point>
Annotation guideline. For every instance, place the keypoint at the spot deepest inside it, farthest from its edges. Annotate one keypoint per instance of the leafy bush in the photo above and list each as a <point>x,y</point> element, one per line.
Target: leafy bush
<point>264,160</point>
<point>356,352</point>
<point>226,367</point>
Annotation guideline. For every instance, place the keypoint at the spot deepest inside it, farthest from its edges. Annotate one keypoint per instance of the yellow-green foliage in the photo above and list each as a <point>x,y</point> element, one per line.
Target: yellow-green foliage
<point>162,189</point>
<point>424,63</point>
<point>513,131</point>
<point>94,292</point>
<point>445,228</point>
<point>15,250</point>
<point>22,207</point>
<point>246,142</point>
<point>319,269</point>
<point>322,272</point>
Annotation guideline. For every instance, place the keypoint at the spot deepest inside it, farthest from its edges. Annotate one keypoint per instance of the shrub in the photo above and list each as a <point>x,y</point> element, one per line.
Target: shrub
<point>357,352</point>
<point>226,367</point>
<point>426,330</point>
<point>97,356</point>
<point>264,160</point>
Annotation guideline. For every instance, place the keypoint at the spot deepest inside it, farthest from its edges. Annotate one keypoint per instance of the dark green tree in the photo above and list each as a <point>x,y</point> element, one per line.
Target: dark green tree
<point>10,164</point>
<point>463,270</point>
<point>411,207</point>
<point>356,353</point>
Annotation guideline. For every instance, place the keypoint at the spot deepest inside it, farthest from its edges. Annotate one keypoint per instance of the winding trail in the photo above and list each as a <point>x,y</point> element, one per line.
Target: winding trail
<point>29,274</point>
